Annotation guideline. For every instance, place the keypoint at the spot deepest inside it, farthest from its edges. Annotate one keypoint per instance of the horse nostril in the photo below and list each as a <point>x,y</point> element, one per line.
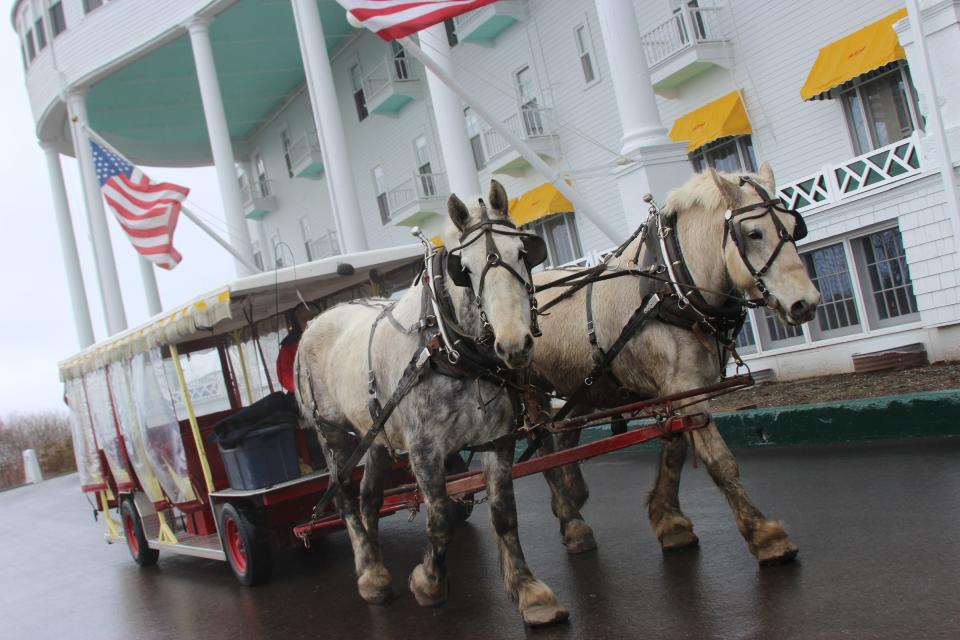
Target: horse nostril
<point>527,343</point>
<point>499,349</point>
<point>799,308</point>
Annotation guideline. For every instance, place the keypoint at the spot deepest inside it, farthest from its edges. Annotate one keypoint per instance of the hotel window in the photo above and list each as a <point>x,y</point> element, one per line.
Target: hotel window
<point>774,334</point>
<point>885,278</point>
<point>263,181</point>
<point>58,22</point>
<point>451,30</point>
<point>529,103</point>
<point>830,272</point>
<point>732,154</point>
<point>880,109</point>
<point>31,48</point>
<point>359,99</point>
<point>90,5</point>
<point>585,52</point>
<point>476,139</point>
<point>379,187</point>
<point>400,67</point>
<point>41,34</point>
<point>257,255</point>
<point>746,341</point>
<point>307,239</point>
<point>285,143</point>
<point>421,153</point>
<point>560,233</point>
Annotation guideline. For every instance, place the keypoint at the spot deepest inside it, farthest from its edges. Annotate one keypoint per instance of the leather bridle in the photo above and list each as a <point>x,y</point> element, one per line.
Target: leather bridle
<point>534,252</point>
<point>768,206</point>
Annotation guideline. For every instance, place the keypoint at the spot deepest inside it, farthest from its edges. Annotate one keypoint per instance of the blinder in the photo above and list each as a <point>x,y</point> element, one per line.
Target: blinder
<point>534,253</point>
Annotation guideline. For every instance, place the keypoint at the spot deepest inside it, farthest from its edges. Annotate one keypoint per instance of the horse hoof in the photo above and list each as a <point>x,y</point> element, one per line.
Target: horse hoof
<point>578,537</point>
<point>543,615</point>
<point>771,545</point>
<point>679,540</point>
<point>780,555</point>
<point>374,585</point>
<point>427,592</point>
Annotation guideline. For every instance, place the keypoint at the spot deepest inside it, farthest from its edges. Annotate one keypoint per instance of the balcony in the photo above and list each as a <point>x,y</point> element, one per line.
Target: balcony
<point>414,200</point>
<point>690,43</point>
<point>258,199</point>
<point>306,160</point>
<point>838,182</point>
<point>535,126</point>
<point>483,25</point>
<point>391,85</point>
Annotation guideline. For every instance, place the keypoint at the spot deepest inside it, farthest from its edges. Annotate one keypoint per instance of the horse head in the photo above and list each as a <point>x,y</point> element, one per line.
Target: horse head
<point>488,255</point>
<point>759,246</point>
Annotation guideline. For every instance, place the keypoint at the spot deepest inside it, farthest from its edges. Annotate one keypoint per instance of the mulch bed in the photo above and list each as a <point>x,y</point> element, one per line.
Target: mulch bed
<point>846,386</point>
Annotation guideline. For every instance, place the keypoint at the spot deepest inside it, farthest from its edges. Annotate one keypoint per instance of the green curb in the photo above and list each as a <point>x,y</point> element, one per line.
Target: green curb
<point>913,415</point>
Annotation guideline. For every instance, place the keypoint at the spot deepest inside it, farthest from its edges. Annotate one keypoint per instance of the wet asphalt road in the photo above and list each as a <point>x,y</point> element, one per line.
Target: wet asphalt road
<point>877,527</point>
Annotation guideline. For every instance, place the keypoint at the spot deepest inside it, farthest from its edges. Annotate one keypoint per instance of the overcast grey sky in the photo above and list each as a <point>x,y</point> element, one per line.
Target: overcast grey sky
<point>36,321</point>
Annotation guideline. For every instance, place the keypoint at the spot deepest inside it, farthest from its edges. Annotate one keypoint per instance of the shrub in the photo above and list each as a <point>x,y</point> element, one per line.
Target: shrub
<point>47,432</point>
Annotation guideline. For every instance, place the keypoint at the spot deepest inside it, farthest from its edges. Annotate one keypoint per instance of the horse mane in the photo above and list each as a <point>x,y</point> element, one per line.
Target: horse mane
<point>701,192</point>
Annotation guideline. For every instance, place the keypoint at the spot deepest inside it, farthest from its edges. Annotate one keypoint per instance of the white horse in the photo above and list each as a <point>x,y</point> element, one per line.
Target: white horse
<point>442,413</point>
<point>734,254</point>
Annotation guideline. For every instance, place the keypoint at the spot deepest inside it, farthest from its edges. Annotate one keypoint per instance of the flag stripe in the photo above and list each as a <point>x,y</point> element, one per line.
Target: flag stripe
<point>392,19</point>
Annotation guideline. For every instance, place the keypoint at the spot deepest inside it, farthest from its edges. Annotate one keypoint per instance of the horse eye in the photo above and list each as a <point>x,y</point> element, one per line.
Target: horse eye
<point>755,234</point>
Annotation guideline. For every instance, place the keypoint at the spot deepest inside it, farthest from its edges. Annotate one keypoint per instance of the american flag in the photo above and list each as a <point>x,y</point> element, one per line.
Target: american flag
<point>392,19</point>
<point>146,210</point>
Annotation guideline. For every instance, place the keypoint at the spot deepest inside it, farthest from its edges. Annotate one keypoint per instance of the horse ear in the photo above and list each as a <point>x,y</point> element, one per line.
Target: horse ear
<point>498,199</point>
<point>458,211</point>
<point>766,172</point>
<point>728,190</point>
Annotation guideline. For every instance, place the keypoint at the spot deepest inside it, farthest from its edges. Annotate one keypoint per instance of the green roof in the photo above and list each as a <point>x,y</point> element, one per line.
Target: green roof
<point>152,106</point>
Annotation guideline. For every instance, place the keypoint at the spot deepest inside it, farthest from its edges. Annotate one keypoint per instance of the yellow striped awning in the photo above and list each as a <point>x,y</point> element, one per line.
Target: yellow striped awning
<point>538,203</point>
<point>718,119</point>
<point>870,48</point>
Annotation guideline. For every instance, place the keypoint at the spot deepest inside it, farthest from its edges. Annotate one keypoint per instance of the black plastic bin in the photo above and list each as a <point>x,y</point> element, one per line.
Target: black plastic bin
<point>258,443</point>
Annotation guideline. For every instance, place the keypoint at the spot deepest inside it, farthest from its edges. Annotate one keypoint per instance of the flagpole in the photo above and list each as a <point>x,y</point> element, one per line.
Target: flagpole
<point>218,239</point>
<point>150,288</point>
<point>183,207</point>
<point>604,225</point>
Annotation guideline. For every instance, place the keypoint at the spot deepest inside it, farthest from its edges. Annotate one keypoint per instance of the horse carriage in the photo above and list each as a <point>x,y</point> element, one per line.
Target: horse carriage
<point>404,384</point>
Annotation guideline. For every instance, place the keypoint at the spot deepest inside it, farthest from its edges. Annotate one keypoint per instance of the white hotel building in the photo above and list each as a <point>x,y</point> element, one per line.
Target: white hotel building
<point>328,140</point>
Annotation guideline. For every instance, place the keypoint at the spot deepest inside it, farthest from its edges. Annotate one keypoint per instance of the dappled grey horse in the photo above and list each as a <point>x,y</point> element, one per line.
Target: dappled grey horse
<point>354,350</point>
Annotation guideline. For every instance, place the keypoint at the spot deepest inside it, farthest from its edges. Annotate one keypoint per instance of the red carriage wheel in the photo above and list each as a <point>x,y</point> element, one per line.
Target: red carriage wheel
<point>247,548</point>
<point>140,551</point>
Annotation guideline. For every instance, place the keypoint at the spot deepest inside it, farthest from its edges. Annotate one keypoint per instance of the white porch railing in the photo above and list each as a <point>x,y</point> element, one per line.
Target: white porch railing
<point>305,145</point>
<point>526,124</point>
<point>324,246</point>
<point>391,69</point>
<point>851,177</point>
<point>687,27</point>
<point>421,186</point>
<point>253,191</point>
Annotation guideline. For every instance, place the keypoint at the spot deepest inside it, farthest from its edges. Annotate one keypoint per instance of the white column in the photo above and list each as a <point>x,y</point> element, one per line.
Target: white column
<point>659,164</point>
<point>636,102</point>
<point>326,115</point>
<point>96,218</point>
<point>68,247</point>
<point>150,290</point>
<point>448,110</point>
<point>220,145</point>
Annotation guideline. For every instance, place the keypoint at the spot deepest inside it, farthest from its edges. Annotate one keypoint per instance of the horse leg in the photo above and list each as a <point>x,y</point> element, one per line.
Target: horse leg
<point>568,494</point>
<point>373,578</point>
<point>673,529</point>
<point>536,601</point>
<point>428,581</point>
<point>767,539</point>
<point>371,490</point>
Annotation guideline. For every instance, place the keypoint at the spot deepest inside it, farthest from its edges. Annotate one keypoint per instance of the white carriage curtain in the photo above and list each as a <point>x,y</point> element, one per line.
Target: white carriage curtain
<point>160,431</point>
<point>104,426</point>
<point>84,443</point>
<point>134,437</point>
